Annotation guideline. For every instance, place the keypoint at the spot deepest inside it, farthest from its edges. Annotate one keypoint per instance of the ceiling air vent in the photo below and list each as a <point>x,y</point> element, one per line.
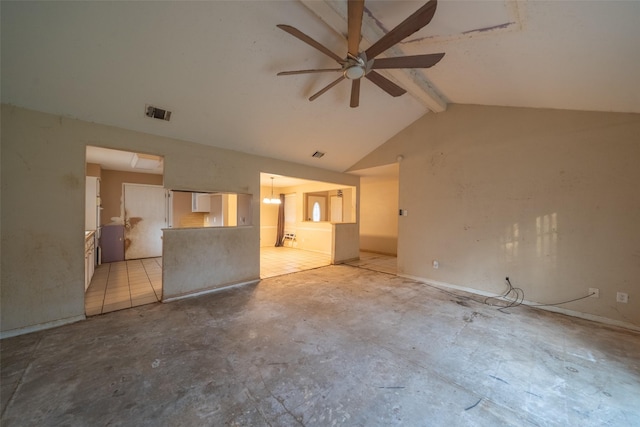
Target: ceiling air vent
<point>157,113</point>
<point>317,154</point>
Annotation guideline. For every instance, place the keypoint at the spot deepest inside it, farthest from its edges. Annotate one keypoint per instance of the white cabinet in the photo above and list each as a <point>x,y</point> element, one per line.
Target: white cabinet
<point>200,202</point>
<point>89,257</point>
<point>92,203</point>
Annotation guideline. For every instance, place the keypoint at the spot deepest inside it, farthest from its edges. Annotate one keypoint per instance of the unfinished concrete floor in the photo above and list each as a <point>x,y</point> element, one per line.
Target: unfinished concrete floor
<point>337,345</point>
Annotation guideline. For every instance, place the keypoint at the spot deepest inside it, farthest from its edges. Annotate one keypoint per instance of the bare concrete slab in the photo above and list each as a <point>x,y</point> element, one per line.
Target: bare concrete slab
<point>337,345</point>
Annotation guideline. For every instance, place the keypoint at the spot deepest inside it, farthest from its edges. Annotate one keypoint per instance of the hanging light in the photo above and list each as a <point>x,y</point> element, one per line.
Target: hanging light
<point>272,200</point>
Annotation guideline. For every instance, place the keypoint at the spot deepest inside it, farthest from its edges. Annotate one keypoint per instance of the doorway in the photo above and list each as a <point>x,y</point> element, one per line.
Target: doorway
<point>132,211</point>
<point>379,219</point>
<point>293,239</point>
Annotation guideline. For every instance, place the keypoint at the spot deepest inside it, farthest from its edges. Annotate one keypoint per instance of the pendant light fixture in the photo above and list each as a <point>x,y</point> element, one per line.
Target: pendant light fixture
<point>272,200</point>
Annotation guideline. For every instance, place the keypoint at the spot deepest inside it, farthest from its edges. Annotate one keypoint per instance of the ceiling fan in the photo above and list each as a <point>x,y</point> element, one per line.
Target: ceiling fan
<point>359,64</point>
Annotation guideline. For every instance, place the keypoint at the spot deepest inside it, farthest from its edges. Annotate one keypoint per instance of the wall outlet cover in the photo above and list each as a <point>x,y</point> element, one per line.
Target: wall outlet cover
<point>594,292</point>
<point>622,297</point>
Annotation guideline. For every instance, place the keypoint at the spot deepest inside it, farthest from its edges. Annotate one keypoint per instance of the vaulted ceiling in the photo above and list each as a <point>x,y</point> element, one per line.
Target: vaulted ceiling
<point>214,65</point>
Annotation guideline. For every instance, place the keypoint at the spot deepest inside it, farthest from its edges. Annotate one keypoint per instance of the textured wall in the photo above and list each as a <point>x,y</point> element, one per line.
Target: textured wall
<point>224,256</point>
<point>549,198</point>
<point>43,190</point>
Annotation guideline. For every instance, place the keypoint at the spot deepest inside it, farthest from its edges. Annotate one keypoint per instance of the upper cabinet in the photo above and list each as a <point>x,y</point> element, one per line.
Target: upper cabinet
<point>200,202</point>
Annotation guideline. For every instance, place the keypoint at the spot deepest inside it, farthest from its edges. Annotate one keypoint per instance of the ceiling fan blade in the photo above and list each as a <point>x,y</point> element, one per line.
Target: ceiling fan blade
<point>322,70</point>
<point>417,61</point>
<point>385,84</point>
<point>355,10</point>
<point>413,23</point>
<point>311,42</point>
<point>355,93</point>
<point>326,88</point>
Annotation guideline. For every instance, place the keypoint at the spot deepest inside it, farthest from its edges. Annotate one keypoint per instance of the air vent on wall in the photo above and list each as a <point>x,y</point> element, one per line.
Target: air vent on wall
<point>157,113</point>
<point>317,154</point>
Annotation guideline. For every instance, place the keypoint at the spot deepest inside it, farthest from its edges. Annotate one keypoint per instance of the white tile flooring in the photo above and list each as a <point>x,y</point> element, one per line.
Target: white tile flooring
<point>126,284</point>
<point>284,260</point>
<point>377,262</point>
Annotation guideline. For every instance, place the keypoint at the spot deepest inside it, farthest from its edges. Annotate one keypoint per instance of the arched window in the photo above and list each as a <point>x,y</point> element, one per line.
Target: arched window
<point>316,212</point>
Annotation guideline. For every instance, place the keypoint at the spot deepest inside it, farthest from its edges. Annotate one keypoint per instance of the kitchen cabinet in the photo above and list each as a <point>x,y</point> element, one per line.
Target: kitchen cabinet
<point>112,243</point>
<point>92,203</point>
<point>200,202</point>
<point>89,257</point>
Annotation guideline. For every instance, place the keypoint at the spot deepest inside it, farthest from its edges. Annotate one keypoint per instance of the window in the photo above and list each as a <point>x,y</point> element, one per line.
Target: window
<point>316,212</point>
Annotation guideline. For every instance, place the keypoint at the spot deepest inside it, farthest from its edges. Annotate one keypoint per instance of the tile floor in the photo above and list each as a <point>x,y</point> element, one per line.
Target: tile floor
<point>119,285</point>
<point>284,260</point>
<point>376,262</point>
<point>124,284</point>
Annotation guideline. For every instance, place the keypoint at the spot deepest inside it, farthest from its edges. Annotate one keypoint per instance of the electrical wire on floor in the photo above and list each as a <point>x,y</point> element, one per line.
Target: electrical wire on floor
<point>514,297</point>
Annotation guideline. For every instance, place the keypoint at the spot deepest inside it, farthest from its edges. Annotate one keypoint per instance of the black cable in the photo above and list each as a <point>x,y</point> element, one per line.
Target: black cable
<point>563,302</point>
<point>517,298</point>
<point>513,296</point>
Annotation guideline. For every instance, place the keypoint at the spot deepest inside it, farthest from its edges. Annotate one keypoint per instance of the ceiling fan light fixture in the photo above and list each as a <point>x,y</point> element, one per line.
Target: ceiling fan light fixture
<point>354,72</point>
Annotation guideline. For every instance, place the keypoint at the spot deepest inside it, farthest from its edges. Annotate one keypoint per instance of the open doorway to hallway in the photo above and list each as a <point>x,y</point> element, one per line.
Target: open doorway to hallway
<point>126,210</point>
<point>379,214</point>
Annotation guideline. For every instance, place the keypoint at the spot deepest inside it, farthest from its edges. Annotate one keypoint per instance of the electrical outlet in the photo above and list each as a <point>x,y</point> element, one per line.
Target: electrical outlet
<point>436,264</point>
<point>594,292</point>
<point>622,297</point>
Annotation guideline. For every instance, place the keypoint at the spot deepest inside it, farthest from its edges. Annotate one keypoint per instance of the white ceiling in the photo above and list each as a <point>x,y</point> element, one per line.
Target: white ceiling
<point>214,65</point>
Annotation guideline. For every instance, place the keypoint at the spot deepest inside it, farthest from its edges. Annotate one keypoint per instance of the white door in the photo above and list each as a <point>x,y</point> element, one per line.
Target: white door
<point>145,214</point>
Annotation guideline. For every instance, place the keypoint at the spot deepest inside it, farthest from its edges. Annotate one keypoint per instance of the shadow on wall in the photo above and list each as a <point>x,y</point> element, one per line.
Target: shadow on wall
<point>383,244</point>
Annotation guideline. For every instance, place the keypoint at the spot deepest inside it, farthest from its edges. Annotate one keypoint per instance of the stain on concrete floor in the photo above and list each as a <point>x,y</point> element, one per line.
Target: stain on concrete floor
<point>332,346</point>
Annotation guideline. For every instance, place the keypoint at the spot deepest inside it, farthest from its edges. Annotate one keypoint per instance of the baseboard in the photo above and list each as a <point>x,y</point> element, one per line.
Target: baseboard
<point>345,261</point>
<point>369,251</point>
<point>40,327</point>
<point>555,309</point>
<point>208,291</point>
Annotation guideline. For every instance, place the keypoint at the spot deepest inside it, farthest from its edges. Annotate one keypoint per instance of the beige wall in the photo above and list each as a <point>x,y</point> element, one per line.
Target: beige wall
<point>225,256</point>
<point>111,192</point>
<point>268,218</point>
<point>549,198</point>
<point>42,265</point>
<point>379,225</point>
<point>344,242</point>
